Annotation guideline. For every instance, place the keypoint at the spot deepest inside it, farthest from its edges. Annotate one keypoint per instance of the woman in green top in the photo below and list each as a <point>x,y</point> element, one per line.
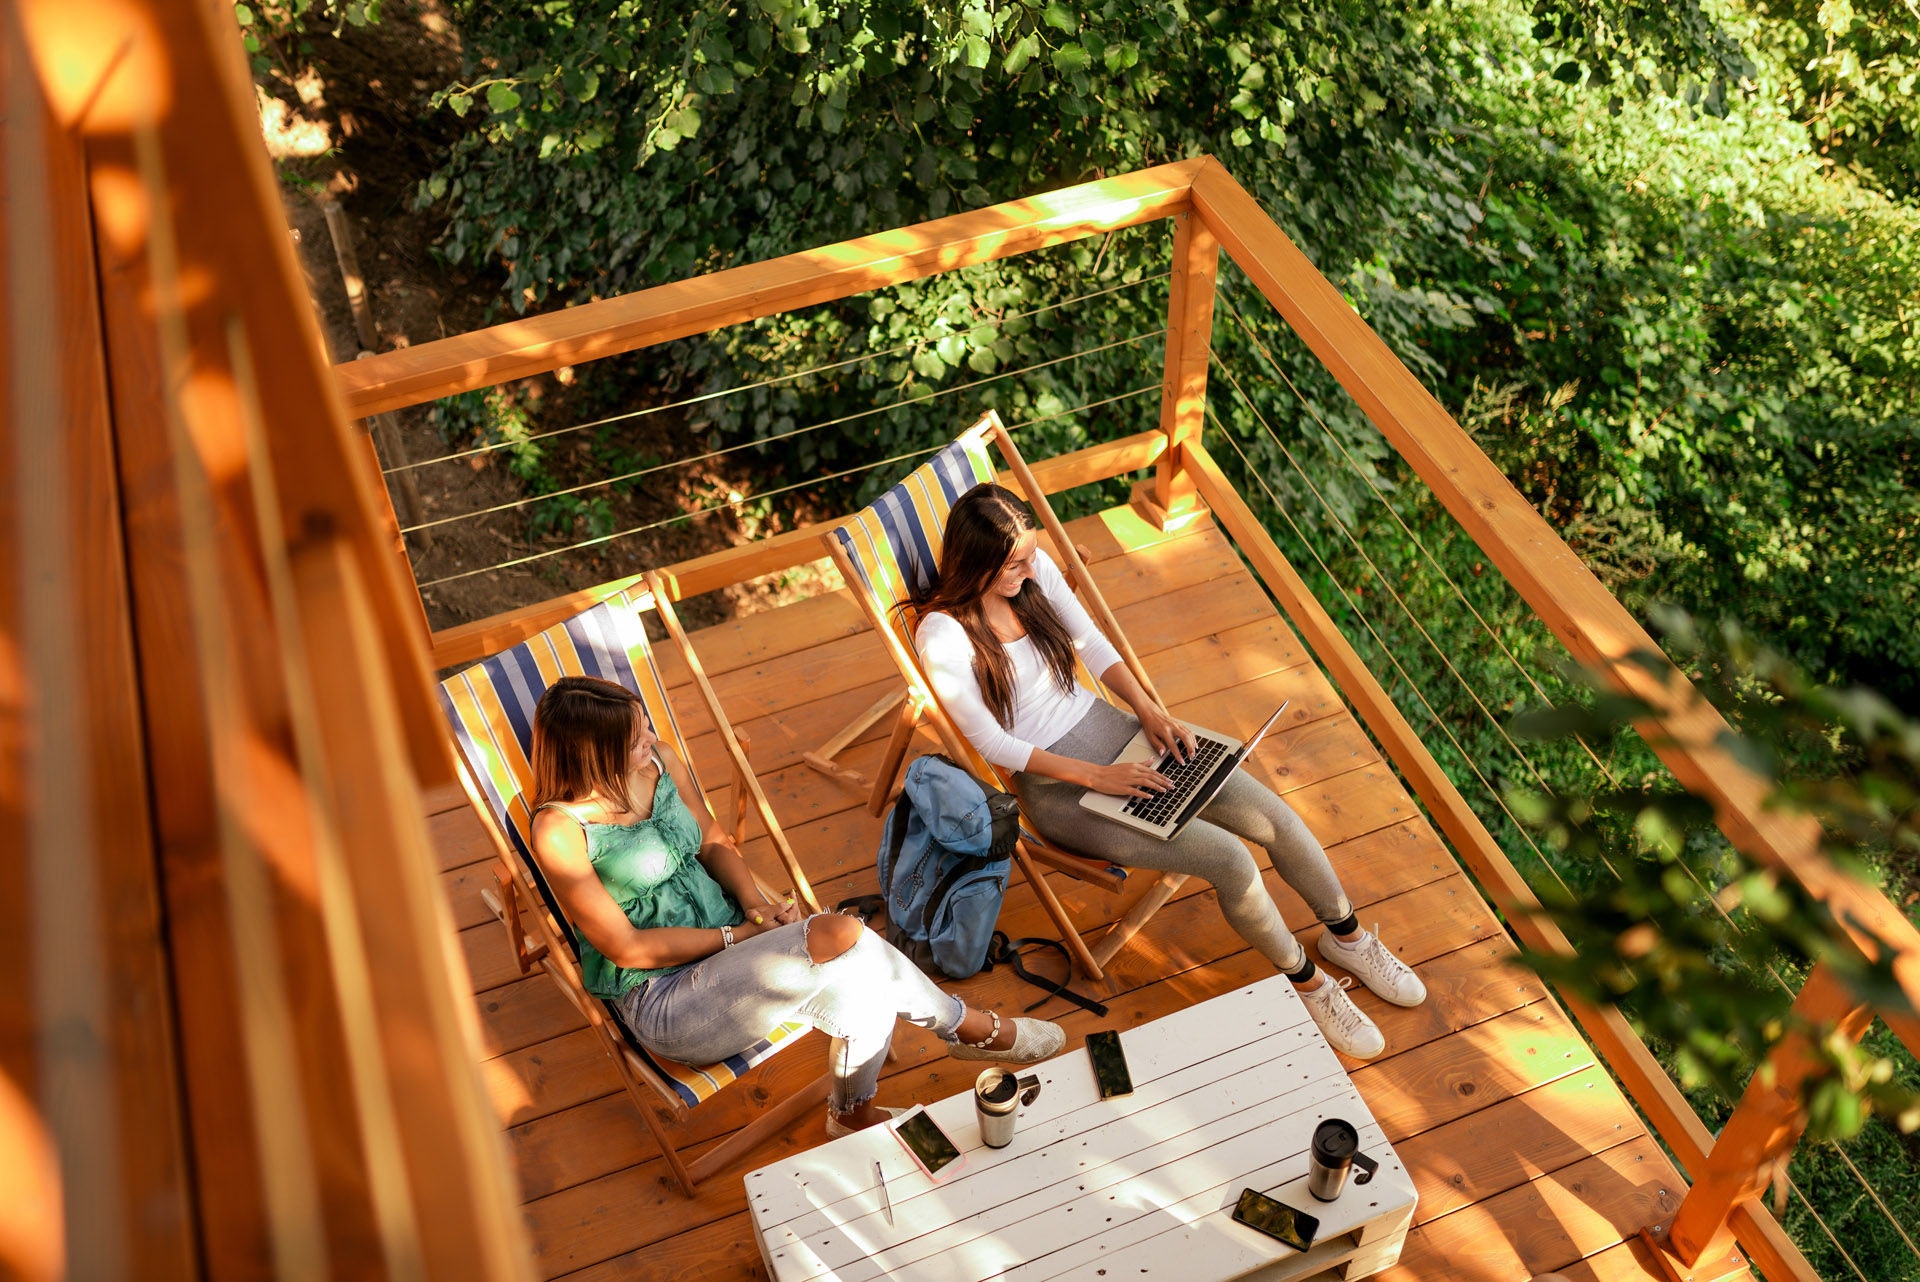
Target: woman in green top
<point>675,931</point>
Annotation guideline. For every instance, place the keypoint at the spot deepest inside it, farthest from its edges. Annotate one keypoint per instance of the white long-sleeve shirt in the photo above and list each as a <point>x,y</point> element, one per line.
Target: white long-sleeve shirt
<point>1042,711</point>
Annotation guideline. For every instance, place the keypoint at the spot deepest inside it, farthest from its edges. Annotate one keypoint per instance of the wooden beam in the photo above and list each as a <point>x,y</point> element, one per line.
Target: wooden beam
<point>742,772</point>
<point>102,70</point>
<point>518,349</point>
<point>1183,388</point>
<point>1596,629</point>
<point>470,642</point>
<point>1766,1123</point>
<point>1629,1057</point>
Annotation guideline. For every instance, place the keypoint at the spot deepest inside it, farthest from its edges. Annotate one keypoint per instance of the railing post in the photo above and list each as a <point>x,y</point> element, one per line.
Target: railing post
<point>1764,1127</point>
<point>1183,390</point>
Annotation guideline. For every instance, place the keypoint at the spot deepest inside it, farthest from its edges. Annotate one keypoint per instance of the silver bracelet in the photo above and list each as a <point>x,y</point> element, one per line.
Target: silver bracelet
<point>726,937</point>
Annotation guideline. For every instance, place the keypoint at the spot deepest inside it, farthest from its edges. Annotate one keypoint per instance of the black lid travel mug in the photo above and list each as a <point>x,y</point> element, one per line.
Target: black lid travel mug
<point>996,1092</point>
<point>1335,1151</point>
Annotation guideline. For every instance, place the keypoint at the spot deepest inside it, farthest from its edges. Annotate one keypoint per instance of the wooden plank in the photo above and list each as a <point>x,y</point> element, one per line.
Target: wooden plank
<point>1766,1122</point>
<point>1596,629</point>
<point>1652,1089</point>
<point>1549,1223</point>
<point>573,335</point>
<point>427,1134</point>
<point>545,1078</point>
<point>1183,387</point>
<point>80,899</point>
<point>712,1252</point>
<point>469,642</point>
<point>1503,1146</point>
<point>1455,1076</point>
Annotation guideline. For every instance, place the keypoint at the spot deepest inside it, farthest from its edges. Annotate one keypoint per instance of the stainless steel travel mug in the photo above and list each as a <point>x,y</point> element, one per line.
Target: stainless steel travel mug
<point>1336,1151</point>
<point>996,1093</point>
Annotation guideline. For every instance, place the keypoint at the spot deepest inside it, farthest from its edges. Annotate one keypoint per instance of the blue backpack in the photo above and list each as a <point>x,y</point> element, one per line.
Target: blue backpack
<point>945,856</point>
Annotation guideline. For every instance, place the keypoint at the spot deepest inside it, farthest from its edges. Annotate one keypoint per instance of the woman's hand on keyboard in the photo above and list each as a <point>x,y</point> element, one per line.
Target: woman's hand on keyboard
<point>1126,779</point>
<point>1165,733</point>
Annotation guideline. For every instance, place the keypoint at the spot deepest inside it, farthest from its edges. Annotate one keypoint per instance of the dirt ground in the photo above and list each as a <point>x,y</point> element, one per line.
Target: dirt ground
<point>347,121</point>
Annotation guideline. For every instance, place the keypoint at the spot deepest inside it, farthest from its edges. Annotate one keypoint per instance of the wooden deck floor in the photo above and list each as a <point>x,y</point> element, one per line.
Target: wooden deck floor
<point>1526,1156</point>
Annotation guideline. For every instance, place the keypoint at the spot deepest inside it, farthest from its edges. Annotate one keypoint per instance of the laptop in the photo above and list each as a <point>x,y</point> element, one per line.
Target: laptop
<point>1194,781</point>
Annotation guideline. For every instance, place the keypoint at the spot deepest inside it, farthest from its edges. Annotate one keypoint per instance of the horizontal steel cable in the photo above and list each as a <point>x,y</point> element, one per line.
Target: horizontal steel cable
<point>810,481</point>
<point>784,436</point>
<point>1433,716</point>
<point>1710,896</point>
<point>767,382</point>
<point>1380,578</point>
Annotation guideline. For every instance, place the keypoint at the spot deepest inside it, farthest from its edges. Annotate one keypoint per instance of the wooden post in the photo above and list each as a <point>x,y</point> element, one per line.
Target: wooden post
<point>1183,389</point>
<point>1763,1129</point>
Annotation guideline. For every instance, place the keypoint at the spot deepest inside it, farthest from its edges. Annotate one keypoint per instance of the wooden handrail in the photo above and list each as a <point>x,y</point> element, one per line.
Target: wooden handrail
<point>470,642</point>
<point>1646,1081</point>
<point>610,326</point>
<point>1596,629</point>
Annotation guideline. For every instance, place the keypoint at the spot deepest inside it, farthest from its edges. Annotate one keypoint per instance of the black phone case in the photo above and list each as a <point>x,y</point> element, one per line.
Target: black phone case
<point>1275,1219</point>
<point>1109,1058</point>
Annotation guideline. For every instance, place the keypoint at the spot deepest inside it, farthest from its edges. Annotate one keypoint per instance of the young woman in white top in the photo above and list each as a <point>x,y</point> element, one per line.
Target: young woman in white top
<point>998,631</point>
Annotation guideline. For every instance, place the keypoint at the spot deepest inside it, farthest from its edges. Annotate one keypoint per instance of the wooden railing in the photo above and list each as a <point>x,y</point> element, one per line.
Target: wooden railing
<point>1211,214</point>
<point>235,1040</point>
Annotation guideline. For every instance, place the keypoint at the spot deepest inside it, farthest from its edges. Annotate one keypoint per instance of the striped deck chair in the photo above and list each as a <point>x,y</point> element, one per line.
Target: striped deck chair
<point>890,548</point>
<point>490,708</point>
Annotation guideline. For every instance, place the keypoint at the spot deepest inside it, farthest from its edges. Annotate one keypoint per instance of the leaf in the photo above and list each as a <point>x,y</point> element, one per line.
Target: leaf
<point>460,102</point>
<point>243,15</point>
<point>978,51</point>
<point>1120,57</point>
<point>501,97</point>
<point>1069,58</point>
<point>1061,18</point>
<point>1021,54</point>
<point>1567,73</point>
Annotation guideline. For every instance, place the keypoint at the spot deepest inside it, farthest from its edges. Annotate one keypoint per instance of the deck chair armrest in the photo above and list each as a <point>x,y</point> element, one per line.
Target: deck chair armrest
<point>740,797</point>
<point>526,953</point>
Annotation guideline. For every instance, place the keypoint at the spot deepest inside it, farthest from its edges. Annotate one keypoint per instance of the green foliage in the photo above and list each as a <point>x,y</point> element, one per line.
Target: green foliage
<point>277,33</point>
<point>1701,961</point>
<point>1851,73</point>
<point>502,424</point>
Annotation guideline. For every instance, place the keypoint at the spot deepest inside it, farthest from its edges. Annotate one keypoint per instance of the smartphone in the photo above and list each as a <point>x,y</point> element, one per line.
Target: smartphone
<point>1276,1219</point>
<point>927,1144</point>
<point>1109,1064</point>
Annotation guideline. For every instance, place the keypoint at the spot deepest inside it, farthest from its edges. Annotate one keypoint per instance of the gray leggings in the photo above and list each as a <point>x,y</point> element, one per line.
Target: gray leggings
<point>1208,848</point>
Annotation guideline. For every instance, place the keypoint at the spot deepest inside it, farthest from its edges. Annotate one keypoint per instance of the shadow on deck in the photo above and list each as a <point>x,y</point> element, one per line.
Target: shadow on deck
<point>1526,1156</point>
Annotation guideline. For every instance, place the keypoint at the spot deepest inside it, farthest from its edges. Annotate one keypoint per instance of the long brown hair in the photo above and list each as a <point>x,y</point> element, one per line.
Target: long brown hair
<point>982,529</point>
<point>582,736</point>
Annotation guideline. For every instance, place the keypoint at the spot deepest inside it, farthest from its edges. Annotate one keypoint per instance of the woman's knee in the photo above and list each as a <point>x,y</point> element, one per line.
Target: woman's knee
<point>1217,856</point>
<point>831,934</point>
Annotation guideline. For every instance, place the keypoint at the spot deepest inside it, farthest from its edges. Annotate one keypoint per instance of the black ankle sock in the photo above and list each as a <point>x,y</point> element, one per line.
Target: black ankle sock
<point>1346,925</point>
<point>1305,972</point>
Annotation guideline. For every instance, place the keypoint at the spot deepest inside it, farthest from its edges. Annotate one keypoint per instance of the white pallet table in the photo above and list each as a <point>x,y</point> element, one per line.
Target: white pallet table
<point>1226,1096</point>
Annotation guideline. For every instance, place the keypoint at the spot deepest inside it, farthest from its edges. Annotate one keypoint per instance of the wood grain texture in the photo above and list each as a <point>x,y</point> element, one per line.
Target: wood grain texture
<point>1459,1070</point>
<point>536,344</point>
<point>1596,629</point>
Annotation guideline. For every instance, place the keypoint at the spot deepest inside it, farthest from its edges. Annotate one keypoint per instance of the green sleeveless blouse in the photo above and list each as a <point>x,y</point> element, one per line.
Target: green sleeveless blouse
<point>652,869</point>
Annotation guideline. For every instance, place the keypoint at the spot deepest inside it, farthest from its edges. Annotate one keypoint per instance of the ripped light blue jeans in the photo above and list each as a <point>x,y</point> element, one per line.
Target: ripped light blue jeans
<point>724,1003</point>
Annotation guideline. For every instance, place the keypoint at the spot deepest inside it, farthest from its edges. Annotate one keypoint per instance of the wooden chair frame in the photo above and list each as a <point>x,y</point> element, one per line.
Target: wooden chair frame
<point>917,703</point>
<point>540,942</point>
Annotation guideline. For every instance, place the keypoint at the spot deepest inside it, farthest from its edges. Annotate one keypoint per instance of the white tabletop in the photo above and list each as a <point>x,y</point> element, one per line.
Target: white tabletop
<point>1226,1096</point>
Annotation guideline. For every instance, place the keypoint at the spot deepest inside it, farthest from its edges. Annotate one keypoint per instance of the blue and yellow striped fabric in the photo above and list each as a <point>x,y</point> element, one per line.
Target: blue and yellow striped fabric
<point>490,707</point>
<point>895,542</point>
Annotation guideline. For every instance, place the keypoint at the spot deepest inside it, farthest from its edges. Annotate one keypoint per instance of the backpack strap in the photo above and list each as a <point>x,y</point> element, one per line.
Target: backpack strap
<point>944,887</point>
<point>1002,949</point>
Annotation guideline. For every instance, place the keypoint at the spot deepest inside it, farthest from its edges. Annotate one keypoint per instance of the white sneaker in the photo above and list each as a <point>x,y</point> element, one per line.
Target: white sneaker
<point>1346,1029</point>
<point>1373,964</point>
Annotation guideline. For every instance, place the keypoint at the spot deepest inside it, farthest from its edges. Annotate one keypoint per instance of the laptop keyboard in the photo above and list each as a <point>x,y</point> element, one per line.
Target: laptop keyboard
<point>1185,776</point>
